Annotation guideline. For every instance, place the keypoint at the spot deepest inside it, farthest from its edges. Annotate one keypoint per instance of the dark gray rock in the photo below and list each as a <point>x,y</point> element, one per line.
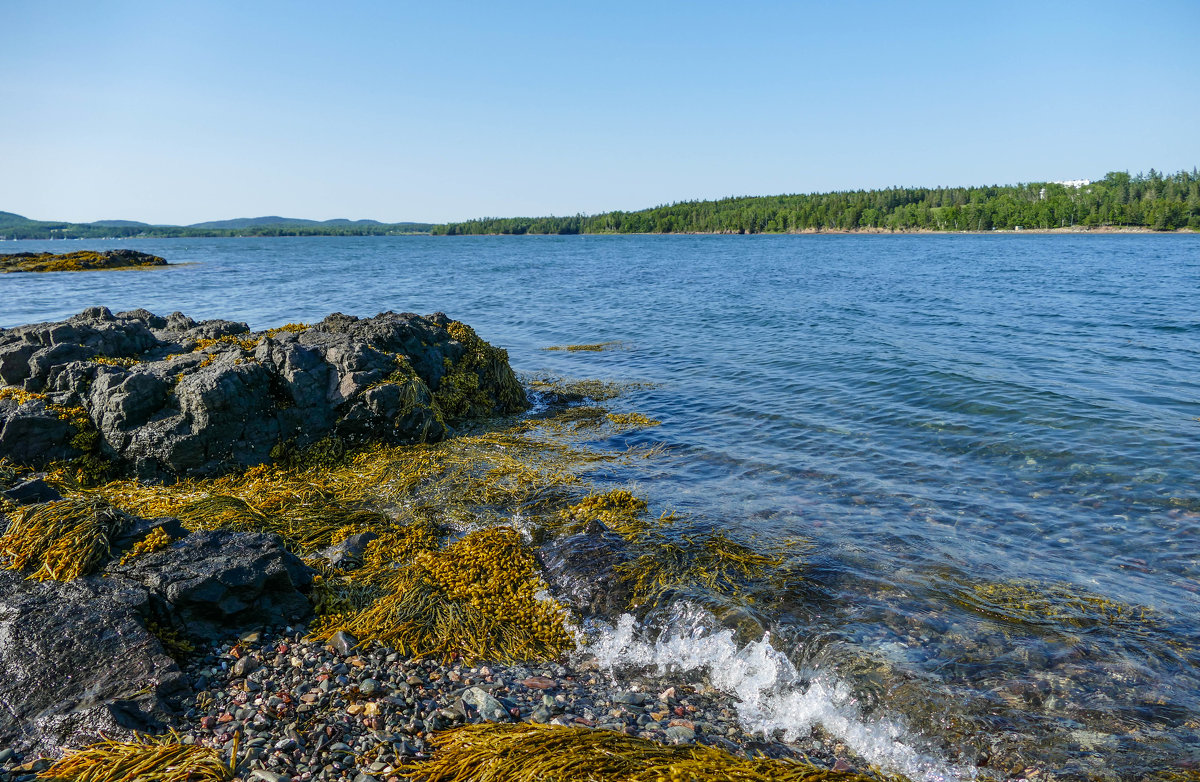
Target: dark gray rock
<point>172,405</point>
<point>212,584</point>
<point>32,492</point>
<point>582,570</point>
<point>77,662</point>
<point>31,432</point>
<point>349,553</point>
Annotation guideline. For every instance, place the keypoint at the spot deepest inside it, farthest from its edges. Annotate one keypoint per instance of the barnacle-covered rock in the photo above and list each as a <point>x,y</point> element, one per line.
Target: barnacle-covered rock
<point>164,398</point>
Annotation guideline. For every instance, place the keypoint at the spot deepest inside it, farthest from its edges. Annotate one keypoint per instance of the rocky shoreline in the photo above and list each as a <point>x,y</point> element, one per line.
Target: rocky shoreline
<point>197,521</point>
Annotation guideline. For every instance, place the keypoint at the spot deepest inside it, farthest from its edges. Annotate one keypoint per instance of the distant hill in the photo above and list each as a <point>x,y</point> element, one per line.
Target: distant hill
<point>14,226</point>
<point>119,224</point>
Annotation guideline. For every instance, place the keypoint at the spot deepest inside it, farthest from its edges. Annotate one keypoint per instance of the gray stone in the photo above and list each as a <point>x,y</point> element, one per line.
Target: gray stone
<point>32,492</point>
<point>245,666</point>
<point>78,662</point>
<point>269,776</point>
<point>343,643</point>
<point>680,734</point>
<point>488,707</point>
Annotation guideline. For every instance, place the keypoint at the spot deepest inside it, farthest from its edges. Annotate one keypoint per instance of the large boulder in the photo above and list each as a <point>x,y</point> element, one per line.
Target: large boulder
<point>162,398</point>
<point>212,584</point>
<point>82,658</point>
<point>78,661</point>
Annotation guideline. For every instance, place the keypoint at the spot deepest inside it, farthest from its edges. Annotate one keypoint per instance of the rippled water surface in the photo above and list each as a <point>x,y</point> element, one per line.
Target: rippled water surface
<point>990,441</point>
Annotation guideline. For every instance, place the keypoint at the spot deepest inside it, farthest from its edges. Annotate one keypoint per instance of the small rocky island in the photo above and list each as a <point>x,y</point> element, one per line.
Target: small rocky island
<point>228,554</point>
<point>81,261</point>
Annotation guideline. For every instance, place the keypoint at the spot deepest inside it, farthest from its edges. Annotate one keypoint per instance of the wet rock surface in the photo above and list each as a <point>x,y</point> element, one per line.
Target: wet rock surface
<point>161,398</point>
<point>83,657</point>
<point>78,660</point>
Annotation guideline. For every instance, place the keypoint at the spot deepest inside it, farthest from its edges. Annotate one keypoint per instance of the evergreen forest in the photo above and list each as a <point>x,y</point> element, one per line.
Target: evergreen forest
<point>1153,201</point>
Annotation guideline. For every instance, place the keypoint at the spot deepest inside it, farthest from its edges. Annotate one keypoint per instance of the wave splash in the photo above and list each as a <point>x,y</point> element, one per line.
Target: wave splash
<point>772,696</point>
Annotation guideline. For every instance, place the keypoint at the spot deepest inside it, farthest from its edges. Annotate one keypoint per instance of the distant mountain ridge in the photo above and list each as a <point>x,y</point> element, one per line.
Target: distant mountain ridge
<point>15,226</point>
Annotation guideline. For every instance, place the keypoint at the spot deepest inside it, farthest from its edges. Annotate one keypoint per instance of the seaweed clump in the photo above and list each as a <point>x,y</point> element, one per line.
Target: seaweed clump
<point>462,391</point>
<point>1027,602</point>
<point>157,540</point>
<point>477,598</point>
<point>62,540</point>
<point>551,753</point>
<point>146,759</point>
<point>594,347</point>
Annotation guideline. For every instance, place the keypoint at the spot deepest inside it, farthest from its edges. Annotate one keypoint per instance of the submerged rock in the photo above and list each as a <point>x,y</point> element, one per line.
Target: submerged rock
<point>582,570</point>
<point>161,398</point>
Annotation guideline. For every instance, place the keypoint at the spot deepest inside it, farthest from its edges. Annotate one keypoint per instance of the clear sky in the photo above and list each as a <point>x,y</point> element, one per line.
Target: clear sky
<point>179,112</point>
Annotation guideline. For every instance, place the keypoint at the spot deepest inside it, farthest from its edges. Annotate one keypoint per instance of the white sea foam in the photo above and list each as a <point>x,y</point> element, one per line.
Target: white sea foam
<point>772,697</point>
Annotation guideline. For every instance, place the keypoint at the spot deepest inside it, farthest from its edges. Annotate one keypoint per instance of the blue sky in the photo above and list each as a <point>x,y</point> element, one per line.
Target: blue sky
<point>181,112</point>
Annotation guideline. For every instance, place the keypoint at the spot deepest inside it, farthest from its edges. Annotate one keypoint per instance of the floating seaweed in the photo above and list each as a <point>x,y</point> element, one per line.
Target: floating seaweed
<point>145,759</point>
<point>595,347</point>
<point>1054,605</point>
<point>550,753</point>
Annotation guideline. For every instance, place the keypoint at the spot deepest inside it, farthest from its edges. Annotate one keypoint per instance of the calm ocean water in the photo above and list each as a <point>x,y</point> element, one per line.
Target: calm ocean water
<point>992,443</point>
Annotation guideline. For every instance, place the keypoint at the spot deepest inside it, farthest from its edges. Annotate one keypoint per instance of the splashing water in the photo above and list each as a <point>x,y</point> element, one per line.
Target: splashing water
<point>772,696</point>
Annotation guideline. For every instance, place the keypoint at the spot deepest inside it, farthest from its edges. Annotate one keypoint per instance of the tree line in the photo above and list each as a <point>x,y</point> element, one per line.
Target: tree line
<point>1154,200</point>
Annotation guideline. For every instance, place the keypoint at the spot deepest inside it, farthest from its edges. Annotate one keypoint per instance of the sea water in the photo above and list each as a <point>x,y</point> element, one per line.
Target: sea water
<point>988,444</point>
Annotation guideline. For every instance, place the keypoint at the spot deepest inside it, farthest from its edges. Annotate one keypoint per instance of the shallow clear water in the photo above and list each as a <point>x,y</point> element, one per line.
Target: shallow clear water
<point>941,416</point>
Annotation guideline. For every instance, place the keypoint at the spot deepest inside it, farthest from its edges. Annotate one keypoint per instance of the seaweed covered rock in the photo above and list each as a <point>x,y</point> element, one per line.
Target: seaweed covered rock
<point>81,261</point>
<point>78,661</point>
<point>161,398</point>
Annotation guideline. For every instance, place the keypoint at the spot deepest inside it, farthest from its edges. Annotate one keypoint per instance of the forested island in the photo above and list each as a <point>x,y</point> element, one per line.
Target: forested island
<point>1151,201</point>
<point>14,226</point>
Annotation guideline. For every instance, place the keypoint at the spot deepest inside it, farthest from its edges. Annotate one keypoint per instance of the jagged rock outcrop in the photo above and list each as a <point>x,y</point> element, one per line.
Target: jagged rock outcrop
<point>160,398</point>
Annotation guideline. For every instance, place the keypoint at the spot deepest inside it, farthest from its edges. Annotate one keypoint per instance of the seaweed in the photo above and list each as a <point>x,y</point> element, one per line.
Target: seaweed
<point>1055,605</point>
<point>528,752</point>
<point>62,540</point>
<point>595,347</point>
<point>478,598</point>
<point>173,642</point>
<point>461,393</point>
<point>116,361</point>
<point>145,759</point>
<point>157,540</point>
<point>721,566</point>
